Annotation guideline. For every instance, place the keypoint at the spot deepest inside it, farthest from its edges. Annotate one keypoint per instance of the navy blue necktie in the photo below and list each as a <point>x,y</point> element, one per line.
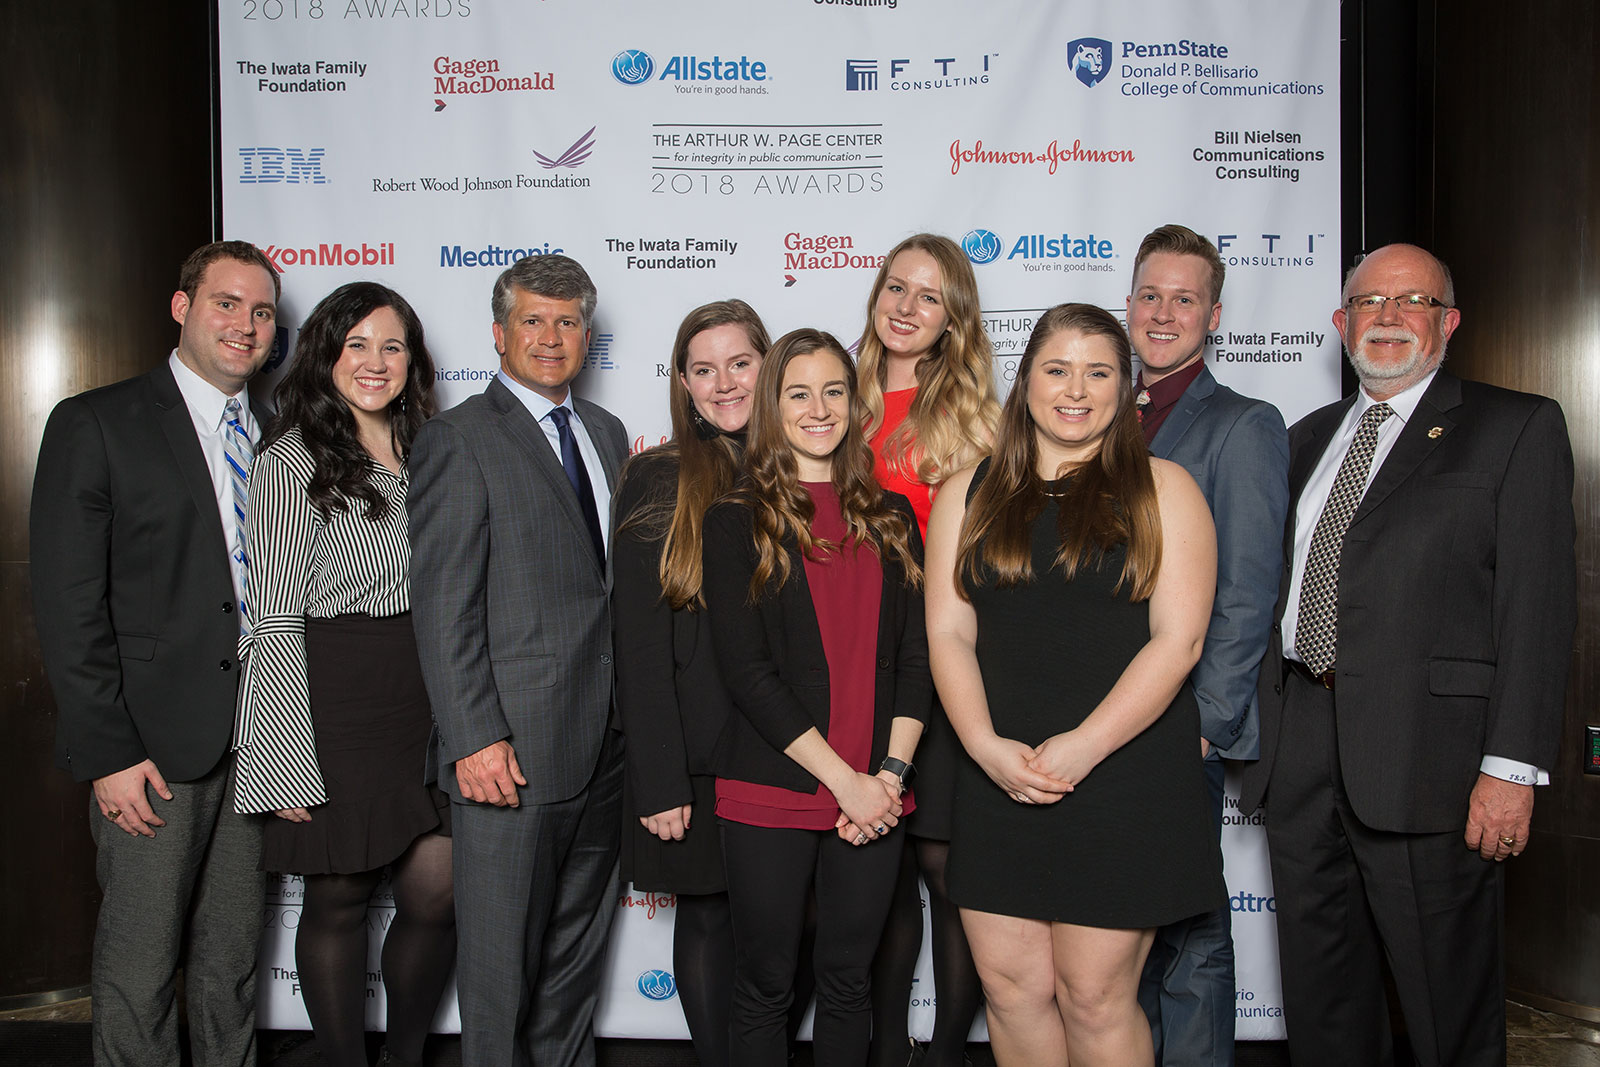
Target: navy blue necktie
<point>579,477</point>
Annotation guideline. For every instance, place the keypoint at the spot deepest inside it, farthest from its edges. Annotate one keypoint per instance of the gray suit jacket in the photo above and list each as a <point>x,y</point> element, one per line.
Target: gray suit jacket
<point>1238,451</point>
<point>511,608</point>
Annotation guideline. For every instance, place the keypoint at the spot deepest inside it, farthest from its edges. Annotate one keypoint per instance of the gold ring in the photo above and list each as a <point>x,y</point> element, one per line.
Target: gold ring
<point>1508,841</point>
<point>113,814</point>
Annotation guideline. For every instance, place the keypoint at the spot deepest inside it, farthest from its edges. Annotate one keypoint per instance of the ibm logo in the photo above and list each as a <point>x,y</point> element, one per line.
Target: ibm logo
<point>292,166</point>
<point>599,356</point>
<point>860,74</point>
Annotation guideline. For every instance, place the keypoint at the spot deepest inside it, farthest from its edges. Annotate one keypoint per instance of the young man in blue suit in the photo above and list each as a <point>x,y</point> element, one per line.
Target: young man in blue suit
<point>1237,450</point>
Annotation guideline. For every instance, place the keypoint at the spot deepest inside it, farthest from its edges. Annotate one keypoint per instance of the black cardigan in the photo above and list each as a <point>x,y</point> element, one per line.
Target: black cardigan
<point>669,692</point>
<point>772,659</point>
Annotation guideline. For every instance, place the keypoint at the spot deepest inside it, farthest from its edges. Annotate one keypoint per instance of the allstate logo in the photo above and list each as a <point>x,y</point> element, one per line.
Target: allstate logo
<point>631,66</point>
<point>981,246</point>
<point>1089,59</point>
<point>657,985</point>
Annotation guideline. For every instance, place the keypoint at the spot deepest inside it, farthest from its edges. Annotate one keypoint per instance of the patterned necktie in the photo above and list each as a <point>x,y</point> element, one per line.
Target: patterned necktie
<point>1315,636</point>
<point>240,452</point>
<point>579,477</point>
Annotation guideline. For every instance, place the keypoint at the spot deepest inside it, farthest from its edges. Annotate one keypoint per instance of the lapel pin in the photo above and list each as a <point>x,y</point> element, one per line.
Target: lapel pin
<point>1433,434</point>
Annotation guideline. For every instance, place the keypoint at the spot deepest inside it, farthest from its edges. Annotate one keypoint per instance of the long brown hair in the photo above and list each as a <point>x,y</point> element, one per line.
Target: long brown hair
<point>952,420</point>
<point>1110,500</point>
<point>771,490</point>
<point>708,465</point>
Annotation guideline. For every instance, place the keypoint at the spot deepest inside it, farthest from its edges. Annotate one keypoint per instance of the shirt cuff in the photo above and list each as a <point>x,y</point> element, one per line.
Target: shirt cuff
<point>1512,771</point>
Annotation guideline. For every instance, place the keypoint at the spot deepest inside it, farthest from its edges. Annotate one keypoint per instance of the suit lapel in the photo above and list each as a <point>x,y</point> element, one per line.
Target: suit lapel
<point>1416,442</point>
<point>1188,409</point>
<point>172,415</point>
<point>608,462</point>
<point>525,431</point>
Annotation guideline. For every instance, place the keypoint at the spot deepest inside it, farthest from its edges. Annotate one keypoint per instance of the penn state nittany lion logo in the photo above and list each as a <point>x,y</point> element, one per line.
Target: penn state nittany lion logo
<point>1089,59</point>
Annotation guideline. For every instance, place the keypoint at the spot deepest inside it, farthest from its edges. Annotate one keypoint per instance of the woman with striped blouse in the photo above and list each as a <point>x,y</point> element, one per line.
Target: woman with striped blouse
<point>334,723</point>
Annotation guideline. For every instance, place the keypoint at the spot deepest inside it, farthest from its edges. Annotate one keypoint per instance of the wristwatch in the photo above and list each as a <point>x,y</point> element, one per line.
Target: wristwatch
<point>900,769</point>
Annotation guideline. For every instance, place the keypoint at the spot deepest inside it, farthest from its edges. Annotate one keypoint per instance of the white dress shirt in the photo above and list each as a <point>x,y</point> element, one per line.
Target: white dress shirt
<point>1309,509</point>
<point>540,407</point>
<point>206,405</point>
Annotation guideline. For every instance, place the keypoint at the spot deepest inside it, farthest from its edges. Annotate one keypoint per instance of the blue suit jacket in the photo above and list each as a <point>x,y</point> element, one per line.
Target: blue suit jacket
<point>1237,449</point>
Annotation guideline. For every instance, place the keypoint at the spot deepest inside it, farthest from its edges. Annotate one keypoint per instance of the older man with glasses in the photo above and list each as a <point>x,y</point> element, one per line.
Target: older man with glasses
<point>1412,695</point>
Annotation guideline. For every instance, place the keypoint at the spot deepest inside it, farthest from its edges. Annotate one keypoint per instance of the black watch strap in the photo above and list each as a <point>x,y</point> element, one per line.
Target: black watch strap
<point>900,769</point>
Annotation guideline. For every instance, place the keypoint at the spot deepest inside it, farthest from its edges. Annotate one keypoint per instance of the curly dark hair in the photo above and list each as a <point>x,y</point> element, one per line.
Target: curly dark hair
<point>309,402</point>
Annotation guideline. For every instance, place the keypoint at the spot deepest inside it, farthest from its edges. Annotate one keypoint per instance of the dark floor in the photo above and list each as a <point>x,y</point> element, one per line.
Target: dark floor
<point>58,1036</point>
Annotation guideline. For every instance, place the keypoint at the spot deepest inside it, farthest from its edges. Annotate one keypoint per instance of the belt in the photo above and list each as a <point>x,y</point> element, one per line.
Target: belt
<point>1325,679</point>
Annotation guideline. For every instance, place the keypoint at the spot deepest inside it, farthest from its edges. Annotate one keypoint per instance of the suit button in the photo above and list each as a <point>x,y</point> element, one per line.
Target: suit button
<point>1277,689</point>
<point>226,665</point>
<point>605,657</point>
<point>883,663</point>
<point>227,607</point>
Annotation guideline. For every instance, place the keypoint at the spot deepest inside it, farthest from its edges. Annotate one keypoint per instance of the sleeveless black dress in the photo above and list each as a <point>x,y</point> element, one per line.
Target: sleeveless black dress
<point>1132,846</point>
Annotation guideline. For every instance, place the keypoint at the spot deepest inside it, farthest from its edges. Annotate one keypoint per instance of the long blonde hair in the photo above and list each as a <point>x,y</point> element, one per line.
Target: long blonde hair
<point>781,507</point>
<point>952,421</point>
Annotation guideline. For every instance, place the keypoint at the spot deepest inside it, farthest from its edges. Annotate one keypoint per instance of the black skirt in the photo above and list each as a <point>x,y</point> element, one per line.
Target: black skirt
<point>373,726</point>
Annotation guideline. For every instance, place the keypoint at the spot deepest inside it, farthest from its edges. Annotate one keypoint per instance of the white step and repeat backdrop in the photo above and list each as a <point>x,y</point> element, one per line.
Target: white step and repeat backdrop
<point>705,149</point>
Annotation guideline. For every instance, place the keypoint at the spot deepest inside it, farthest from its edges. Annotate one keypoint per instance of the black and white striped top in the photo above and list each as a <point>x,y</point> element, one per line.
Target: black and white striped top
<point>300,566</point>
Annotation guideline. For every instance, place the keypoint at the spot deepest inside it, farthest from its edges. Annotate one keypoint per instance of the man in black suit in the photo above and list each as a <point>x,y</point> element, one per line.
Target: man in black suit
<point>1413,693</point>
<point>510,596</point>
<point>139,573</point>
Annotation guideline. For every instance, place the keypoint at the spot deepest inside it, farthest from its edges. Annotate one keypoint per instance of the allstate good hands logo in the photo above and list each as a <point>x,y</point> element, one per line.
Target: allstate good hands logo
<point>631,66</point>
<point>657,985</point>
<point>1089,59</point>
<point>981,246</point>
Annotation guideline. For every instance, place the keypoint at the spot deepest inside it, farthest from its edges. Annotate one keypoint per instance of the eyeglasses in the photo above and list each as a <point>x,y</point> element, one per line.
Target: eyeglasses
<point>1407,303</point>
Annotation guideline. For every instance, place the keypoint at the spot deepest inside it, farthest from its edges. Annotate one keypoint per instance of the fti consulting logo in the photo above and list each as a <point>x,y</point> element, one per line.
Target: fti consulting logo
<point>981,246</point>
<point>657,985</point>
<point>632,66</point>
<point>1089,59</point>
<point>860,75</point>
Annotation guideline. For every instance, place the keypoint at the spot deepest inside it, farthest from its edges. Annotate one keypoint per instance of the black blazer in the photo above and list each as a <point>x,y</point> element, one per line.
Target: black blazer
<point>131,584</point>
<point>1457,604</point>
<point>772,660</point>
<point>669,691</point>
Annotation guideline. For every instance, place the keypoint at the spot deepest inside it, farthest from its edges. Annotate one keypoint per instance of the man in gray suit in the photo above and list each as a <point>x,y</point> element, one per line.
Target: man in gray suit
<point>1238,451</point>
<point>510,600</point>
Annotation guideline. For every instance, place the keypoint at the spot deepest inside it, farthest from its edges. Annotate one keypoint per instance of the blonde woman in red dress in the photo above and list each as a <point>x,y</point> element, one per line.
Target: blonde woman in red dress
<point>928,397</point>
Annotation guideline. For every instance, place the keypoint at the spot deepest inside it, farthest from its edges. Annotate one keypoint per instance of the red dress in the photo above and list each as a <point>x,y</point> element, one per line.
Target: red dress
<point>902,478</point>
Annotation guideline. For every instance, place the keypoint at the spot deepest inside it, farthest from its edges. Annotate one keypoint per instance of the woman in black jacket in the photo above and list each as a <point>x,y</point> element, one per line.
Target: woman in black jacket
<point>669,692</point>
<point>813,587</point>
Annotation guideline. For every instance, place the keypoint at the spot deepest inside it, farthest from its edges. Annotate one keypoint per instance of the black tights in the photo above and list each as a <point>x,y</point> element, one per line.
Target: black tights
<point>955,977</point>
<point>330,951</point>
<point>702,963</point>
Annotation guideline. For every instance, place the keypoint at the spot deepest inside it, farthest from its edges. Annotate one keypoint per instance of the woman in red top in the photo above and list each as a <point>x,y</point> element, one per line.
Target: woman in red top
<point>812,583</point>
<point>929,409</point>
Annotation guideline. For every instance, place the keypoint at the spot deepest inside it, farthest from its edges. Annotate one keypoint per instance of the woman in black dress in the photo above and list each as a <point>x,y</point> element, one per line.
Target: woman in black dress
<point>334,723</point>
<point>1070,586</point>
<point>813,586</point>
<point>669,693</point>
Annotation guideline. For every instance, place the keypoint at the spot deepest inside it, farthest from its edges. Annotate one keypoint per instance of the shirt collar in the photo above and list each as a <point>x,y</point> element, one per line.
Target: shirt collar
<point>206,403</point>
<point>538,406</point>
<point>1404,403</point>
<point>1165,393</point>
